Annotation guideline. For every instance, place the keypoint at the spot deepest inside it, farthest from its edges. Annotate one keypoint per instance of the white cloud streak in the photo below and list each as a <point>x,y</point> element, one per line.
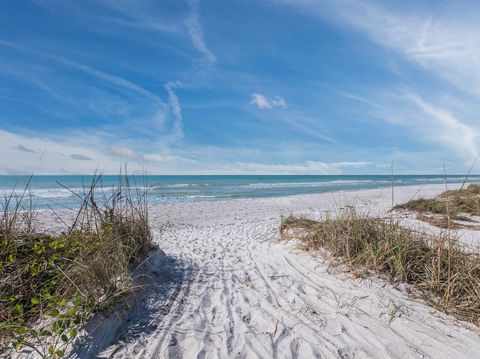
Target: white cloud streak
<point>195,30</point>
<point>140,15</point>
<point>115,80</point>
<point>176,110</point>
<point>309,167</point>
<point>156,110</point>
<point>442,126</point>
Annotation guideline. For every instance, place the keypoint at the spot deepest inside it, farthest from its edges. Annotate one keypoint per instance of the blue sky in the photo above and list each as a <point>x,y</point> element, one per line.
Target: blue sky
<point>239,87</point>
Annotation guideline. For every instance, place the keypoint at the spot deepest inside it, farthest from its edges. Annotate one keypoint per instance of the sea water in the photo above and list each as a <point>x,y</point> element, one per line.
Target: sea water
<point>67,191</point>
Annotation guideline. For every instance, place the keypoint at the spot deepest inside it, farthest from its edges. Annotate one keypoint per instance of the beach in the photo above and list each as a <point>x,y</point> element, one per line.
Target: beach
<point>227,287</point>
<point>240,179</point>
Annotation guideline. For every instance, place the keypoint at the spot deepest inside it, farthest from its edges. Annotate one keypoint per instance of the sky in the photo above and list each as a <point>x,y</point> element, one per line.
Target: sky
<point>239,86</point>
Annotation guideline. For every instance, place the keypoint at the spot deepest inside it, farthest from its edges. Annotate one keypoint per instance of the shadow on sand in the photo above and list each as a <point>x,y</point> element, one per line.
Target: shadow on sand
<point>166,282</point>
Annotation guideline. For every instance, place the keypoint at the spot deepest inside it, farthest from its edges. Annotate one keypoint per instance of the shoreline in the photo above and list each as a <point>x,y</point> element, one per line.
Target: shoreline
<point>51,195</point>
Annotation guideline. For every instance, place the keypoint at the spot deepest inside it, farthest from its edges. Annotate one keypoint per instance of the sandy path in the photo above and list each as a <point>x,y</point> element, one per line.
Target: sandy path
<point>230,289</point>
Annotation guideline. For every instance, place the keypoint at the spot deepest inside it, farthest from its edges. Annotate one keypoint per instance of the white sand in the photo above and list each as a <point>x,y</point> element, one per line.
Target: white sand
<point>228,288</point>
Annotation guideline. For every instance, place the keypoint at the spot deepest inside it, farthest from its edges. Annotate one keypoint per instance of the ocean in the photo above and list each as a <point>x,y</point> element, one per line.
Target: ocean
<point>60,191</point>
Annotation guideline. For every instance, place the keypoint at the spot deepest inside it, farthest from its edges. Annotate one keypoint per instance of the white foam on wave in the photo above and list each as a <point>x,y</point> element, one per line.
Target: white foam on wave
<point>449,179</point>
<point>261,185</point>
<point>178,185</point>
<point>40,193</point>
<point>58,192</point>
<point>201,196</point>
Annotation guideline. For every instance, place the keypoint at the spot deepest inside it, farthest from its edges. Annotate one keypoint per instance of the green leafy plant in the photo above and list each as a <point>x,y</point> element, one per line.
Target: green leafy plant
<point>50,338</point>
<point>51,284</point>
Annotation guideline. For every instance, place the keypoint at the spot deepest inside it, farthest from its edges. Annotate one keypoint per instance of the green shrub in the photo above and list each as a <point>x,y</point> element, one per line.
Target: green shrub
<point>51,284</point>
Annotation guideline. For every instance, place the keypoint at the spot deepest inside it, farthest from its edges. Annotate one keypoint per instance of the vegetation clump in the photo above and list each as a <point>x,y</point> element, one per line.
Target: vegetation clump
<point>450,206</point>
<point>436,267</point>
<point>50,284</point>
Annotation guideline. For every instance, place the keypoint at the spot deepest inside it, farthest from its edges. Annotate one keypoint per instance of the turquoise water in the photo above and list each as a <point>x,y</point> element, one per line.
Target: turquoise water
<point>50,190</point>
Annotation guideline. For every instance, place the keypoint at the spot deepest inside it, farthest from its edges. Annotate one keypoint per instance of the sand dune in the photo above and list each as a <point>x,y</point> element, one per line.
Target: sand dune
<point>228,288</point>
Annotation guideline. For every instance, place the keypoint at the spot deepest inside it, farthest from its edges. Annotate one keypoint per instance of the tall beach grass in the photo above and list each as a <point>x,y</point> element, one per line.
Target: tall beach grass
<point>51,284</point>
<point>435,266</point>
<point>448,208</point>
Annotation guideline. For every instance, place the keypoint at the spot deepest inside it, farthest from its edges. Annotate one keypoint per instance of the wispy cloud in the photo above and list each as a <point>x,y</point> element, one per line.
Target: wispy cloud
<point>312,167</point>
<point>442,42</point>
<point>145,17</point>
<point>444,127</point>
<point>83,148</point>
<point>106,94</point>
<point>112,79</point>
<point>115,80</point>
<point>79,156</point>
<point>22,148</point>
<point>263,103</point>
<point>50,156</point>
<point>124,152</point>
<point>427,121</point>
<point>278,101</point>
<point>445,44</point>
<point>144,14</point>
<point>195,30</point>
<point>175,108</point>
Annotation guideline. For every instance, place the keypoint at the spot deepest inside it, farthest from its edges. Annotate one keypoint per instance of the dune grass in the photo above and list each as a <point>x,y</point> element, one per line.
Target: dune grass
<point>50,284</point>
<point>436,267</point>
<point>448,206</point>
